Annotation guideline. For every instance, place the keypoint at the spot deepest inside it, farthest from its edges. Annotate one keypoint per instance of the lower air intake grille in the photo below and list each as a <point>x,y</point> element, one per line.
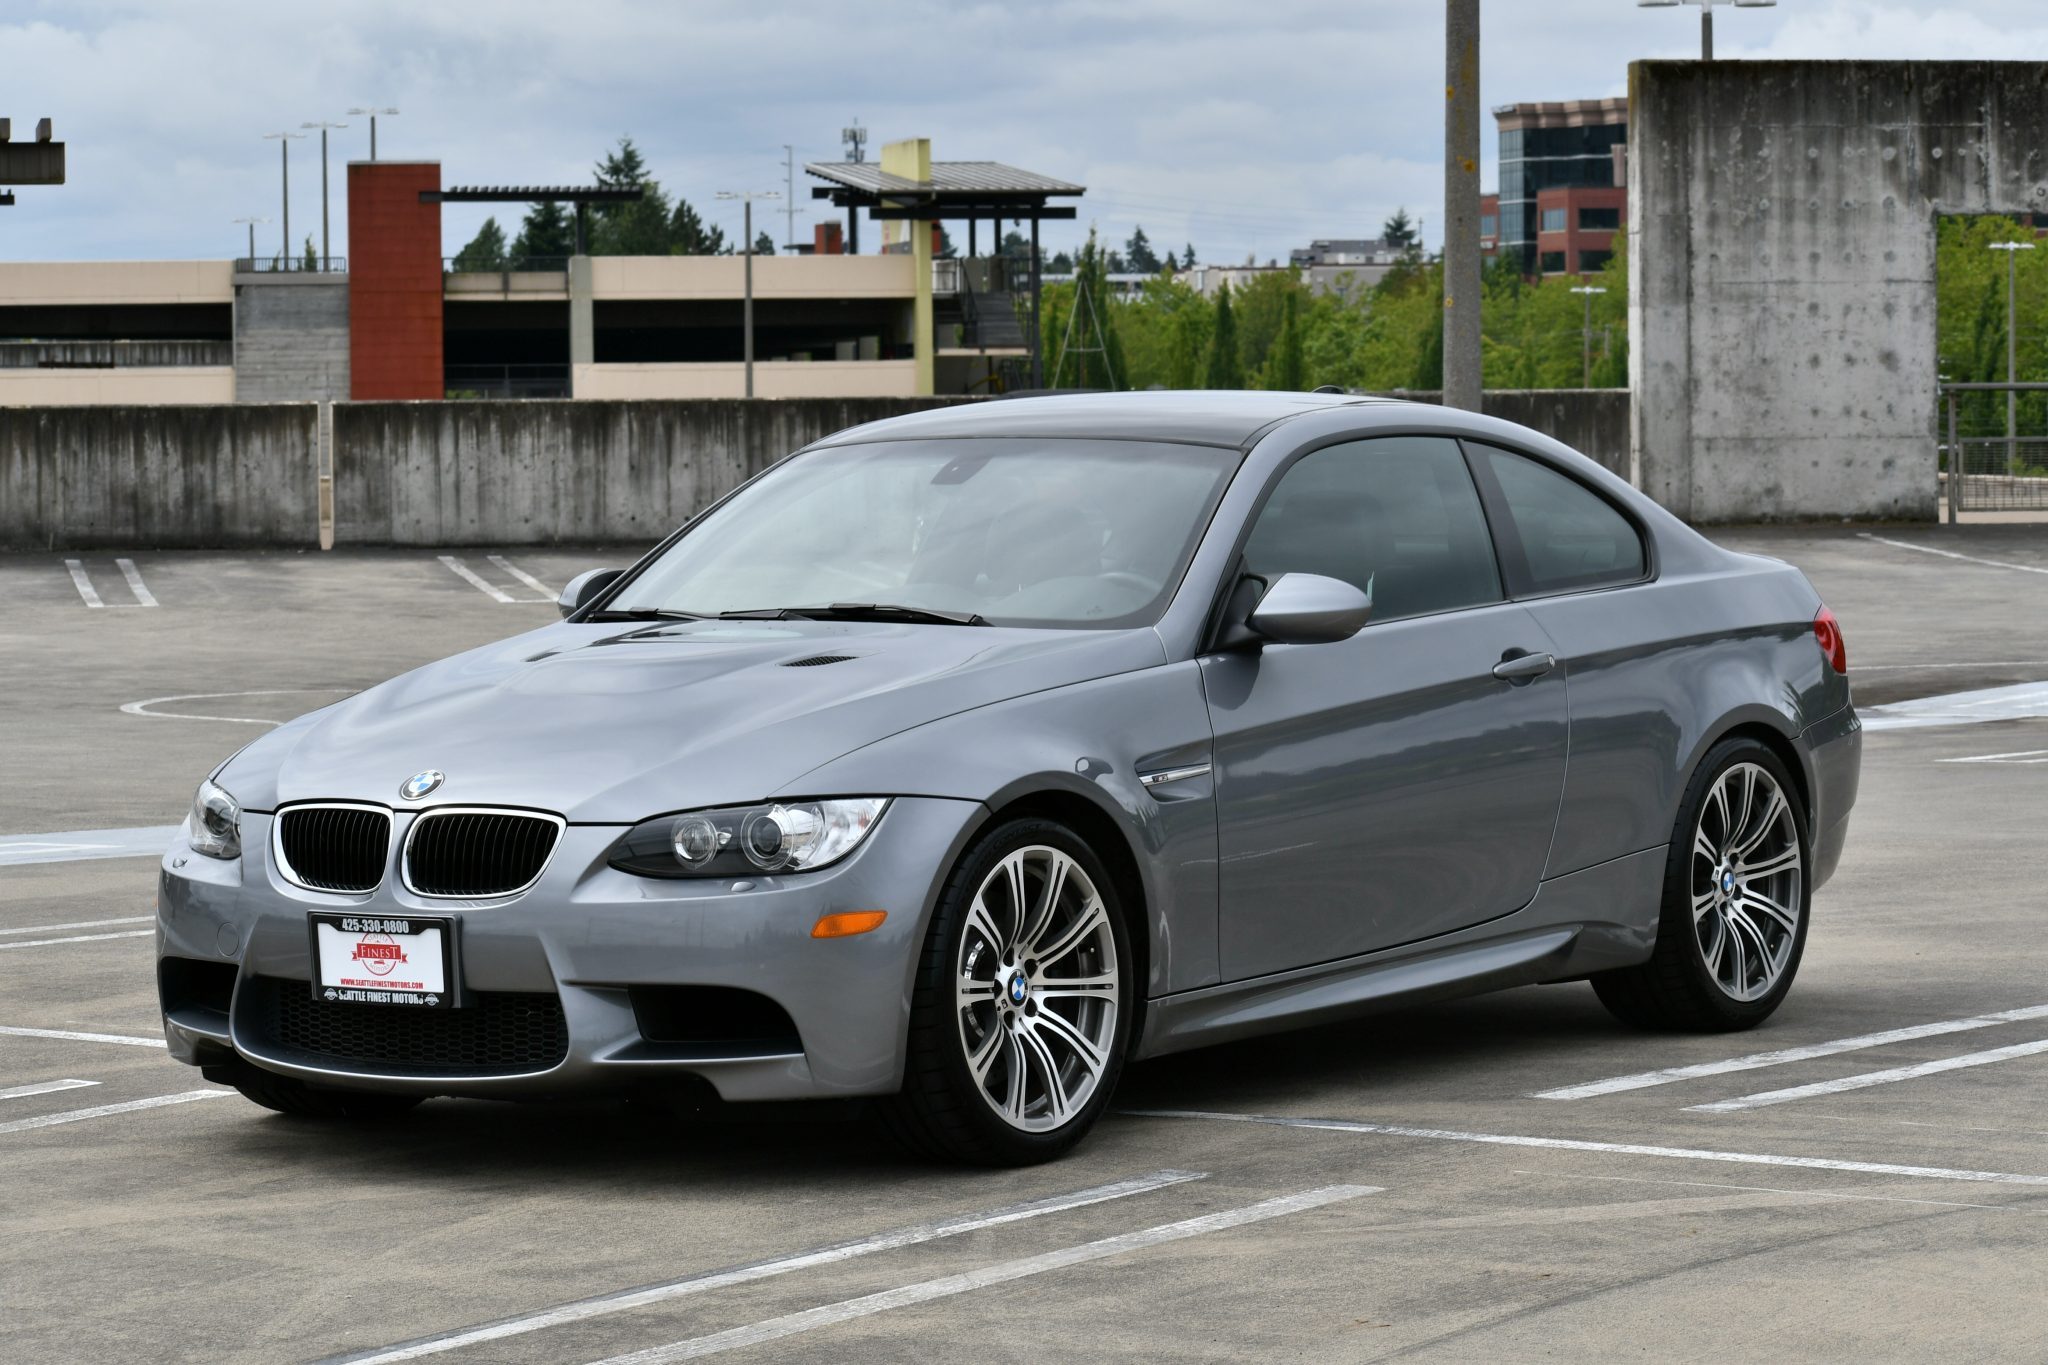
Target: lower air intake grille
<point>498,1033</point>
<point>478,852</point>
<point>334,848</point>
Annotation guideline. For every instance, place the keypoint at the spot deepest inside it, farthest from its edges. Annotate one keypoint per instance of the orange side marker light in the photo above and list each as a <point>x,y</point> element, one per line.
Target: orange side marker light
<point>847,923</point>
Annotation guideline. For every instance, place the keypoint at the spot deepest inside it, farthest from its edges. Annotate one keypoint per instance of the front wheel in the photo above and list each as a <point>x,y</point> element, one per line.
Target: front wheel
<point>1021,1016</point>
<point>1736,896</point>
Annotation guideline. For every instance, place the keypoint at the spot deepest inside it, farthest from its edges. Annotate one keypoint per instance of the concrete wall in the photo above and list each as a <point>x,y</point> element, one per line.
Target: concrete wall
<point>728,379</point>
<point>83,282</point>
<point>23,388</point>
<point>1594,422</point>
<point>126,477</point>
<point>291,338</point>
<point>1781,281</point>
<point>775,277</point>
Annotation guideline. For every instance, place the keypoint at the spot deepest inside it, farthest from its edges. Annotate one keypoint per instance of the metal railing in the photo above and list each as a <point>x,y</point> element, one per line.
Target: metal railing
<point>506,265</point>
<point>1987,464</point>
<point>296,265</point>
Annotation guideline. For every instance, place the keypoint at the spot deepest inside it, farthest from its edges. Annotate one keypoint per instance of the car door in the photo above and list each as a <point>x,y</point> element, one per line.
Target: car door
<point>1390,787</point>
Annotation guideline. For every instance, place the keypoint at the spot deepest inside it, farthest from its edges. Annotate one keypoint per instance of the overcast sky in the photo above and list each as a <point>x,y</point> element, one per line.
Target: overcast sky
<point>1244,128</point>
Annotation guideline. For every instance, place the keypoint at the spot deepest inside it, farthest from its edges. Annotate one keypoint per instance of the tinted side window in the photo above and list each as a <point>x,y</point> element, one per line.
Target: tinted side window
<point>1570,536</point>
<point>1397,516</point>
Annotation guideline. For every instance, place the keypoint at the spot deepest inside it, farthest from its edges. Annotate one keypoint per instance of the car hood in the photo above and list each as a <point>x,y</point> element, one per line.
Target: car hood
<point>609,724</point>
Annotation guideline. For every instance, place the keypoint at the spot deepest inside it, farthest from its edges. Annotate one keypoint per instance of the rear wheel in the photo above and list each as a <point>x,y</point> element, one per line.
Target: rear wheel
<point>1736,896</point>
<point>292,1097</point>
<point>1021,1016</point>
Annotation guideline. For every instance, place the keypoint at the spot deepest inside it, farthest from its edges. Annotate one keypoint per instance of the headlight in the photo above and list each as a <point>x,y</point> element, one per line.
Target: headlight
<point>215,825</point>
<point>741,841</point>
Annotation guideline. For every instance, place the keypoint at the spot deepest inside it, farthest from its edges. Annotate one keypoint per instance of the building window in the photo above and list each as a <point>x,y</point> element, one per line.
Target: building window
<point>1599,220</point>
<point>1489,225</point>
<point>1551,263</point>
<point>1590,261</point>
<point>1553,220</point>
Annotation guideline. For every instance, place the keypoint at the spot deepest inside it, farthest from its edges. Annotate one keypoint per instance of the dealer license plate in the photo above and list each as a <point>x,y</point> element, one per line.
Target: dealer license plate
<point>383,960</point>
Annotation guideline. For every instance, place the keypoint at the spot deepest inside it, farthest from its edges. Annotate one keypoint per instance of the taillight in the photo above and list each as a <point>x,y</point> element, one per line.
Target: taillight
<point>1827,632</point>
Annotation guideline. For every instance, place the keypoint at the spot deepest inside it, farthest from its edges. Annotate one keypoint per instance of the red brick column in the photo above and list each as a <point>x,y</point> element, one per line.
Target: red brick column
<point>394,280</point>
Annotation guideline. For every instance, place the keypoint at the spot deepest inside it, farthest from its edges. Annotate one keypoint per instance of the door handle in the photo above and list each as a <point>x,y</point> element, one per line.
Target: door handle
<point>1522,668</point>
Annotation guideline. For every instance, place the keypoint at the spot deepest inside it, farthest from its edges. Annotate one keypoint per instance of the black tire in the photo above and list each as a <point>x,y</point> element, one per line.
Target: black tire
<point>292,1097</point>
<point>1676,990</point>
<point>941,1111</point>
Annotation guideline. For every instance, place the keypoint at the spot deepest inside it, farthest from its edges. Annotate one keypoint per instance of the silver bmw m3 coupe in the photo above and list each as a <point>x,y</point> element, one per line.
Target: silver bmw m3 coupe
<point>963,757</point>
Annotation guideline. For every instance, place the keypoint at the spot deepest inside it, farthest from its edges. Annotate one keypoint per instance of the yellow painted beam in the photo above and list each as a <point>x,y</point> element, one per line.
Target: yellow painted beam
<point>912,160</point>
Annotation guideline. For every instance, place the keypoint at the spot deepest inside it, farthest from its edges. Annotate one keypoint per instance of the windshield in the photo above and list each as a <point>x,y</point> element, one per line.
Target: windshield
<point>1019,532</point>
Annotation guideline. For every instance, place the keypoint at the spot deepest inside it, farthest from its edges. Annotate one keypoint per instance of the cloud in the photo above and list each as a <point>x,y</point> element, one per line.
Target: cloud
<point>1247,130</point>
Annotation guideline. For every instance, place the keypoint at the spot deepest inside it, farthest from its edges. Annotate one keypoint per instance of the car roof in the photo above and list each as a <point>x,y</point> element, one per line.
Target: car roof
<point>1201,417</point>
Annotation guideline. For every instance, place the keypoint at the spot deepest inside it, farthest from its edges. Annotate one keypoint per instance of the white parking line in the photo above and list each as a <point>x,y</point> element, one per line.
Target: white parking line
<point>65,1035</point>
<point>547,593</point>
<point>84,844</point>
<point>1642,1080</point>
<point>1773,1189</point>
<point>22,1092</point>
<point>2023,756</point>
<point>81,924</point>
<point>1003,1272</point>
<point>1951,554</point>
<point>1811,1163</point>
<point>104,1110</point>
<point>77,938</point>
<point>1983,663</point>
<point>761,1270</point>
<point>470,576</point>
<point>83,584</point>
<point>134,577</point>
<point>2019,701</point>
<point>1870,1078</point>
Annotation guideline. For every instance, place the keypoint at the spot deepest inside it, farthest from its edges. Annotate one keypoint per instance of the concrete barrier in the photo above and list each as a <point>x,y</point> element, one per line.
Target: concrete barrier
<point>1594,422</point>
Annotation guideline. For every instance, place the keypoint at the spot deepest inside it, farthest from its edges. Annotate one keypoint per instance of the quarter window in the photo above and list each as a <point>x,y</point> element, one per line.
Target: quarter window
<point>1396,516</point>
<point>1568,536</point>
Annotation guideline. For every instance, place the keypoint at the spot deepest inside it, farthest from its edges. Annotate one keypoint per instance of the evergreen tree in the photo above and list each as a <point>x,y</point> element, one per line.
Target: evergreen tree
<point>1083,334</point>
<point>689,236</point>
<point>486,250</point>
<point>945,250</point>
<point>1224,371</point>
<point>1399,232</point>
<point>1139,254</point>
<point>312,254</point>
<point>639,228</point>
<point>546,233</point>
<point>1287,367</point>
<point>764,245</point>
<point>1187,260</point>
<point>1060,264</point>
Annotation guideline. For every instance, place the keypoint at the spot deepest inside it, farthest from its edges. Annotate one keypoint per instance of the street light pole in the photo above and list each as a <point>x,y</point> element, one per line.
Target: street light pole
<point>2012,343</point>
<point>251,223</point>
<point>1706,16</point>
<point>284,147</point>
<point>326,261</point>
<point>747,198</point>
<point>1586,292</point>
<point>371,114</point>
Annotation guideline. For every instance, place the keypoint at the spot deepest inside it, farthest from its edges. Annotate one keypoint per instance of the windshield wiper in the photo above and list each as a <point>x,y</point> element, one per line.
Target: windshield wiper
<point>858,611</point>
<point>645,614</point>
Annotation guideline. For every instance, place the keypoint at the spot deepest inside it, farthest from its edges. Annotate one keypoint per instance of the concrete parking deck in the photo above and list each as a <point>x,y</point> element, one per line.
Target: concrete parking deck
<point>1505,1177</point>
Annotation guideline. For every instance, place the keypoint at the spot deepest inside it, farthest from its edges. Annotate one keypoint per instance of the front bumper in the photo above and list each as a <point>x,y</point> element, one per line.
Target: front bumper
<point>587,934</point>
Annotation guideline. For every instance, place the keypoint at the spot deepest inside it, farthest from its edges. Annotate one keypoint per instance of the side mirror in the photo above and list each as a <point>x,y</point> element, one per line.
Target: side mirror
<point>1309,609</point>
<point>584,588</point>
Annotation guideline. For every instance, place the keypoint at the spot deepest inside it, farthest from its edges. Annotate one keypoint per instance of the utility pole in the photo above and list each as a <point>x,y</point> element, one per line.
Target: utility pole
<point>789,208</point>
<point>372,115</point>
<point>1586,292</point>
<point>747,198</point>
<point>855,139</point>
<point>251,224</point>
<point>284,147</point>
<point>1461,205</point>
<point>2012,344</point>
<point>326,261</point>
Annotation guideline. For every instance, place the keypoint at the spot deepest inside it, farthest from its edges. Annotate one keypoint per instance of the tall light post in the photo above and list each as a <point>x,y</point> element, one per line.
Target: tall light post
<point>326,261</point>
<point>2012,343</point>
<point>1587,291</point>
<point>284,147</point>
<point>371,114</point>
<point>747,198</point>
<point>1706,16</point>
<point>251,224</point>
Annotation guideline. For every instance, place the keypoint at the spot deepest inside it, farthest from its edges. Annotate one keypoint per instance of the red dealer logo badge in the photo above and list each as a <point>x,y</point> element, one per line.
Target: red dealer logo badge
<point>378,953</point>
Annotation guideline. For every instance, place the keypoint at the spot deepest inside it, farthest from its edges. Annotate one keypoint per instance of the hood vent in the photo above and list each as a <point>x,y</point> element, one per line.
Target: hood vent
<point>819,660</point>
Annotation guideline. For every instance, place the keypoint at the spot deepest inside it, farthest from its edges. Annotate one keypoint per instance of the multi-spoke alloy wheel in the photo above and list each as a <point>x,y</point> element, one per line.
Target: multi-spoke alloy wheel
<point>1020,1019</point>
<point>1036,988</point>
<point>1733,917</point>
<point>1747,871</point>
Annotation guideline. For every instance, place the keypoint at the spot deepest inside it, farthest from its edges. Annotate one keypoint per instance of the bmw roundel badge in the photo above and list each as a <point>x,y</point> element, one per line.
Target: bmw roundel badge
<point>419,784</point>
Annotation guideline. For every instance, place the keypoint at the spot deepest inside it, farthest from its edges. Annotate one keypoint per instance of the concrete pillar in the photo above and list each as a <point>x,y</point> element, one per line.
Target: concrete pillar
<point>394,281</point>
<point>582,326</point>
<point>912,160</point>
<point>1462,349</point>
